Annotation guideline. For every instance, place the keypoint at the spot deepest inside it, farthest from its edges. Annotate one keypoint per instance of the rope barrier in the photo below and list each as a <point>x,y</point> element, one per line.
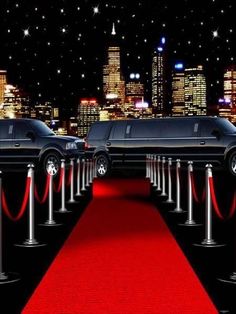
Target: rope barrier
<point>23,206</point>
<point>45,194</point>
<point>215,203</point>
<point>58,189</point>
<point>214,200</point>
<point>68,181</point>
<point>195,196</point>
<point>233,207</point>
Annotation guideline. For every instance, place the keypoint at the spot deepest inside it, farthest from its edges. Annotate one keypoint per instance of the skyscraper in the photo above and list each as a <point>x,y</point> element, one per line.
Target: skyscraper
<point>134,89</point>
<point>88,112</point>
<point>3,82</point>
<point>178,91</point>
<point>230,86</point>
<point>195,91</point>
<point>159,81</point>
<point>113,82</point>
<point>188,91</point>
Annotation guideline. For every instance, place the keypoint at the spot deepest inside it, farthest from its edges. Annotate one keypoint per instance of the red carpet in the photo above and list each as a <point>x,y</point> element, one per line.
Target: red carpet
<point>120,259</point>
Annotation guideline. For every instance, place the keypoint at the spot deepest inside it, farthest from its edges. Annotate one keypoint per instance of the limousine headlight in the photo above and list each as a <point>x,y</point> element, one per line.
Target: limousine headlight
<point>71,145</point>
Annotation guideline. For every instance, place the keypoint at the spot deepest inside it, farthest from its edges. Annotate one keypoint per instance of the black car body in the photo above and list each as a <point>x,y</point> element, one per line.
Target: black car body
<point>23,141</point>
<point>125,143</point>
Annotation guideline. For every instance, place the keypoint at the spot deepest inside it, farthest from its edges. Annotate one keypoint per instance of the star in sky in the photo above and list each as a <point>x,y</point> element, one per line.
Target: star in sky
<point>73,36</point>
<point>26,32</point>
<point>96,10</point>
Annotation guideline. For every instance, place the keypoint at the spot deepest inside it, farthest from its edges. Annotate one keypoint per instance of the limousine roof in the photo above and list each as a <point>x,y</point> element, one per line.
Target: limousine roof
<point>165,118</point>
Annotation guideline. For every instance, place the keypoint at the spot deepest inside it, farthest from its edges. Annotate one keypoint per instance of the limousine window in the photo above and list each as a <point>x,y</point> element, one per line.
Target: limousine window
<point>177,129</point>
<point>99,131</point>
<point>20,130</point>
<point>118,130</point>
<point>6,130</point>
<point>206,128</point>
<point>145,129</point>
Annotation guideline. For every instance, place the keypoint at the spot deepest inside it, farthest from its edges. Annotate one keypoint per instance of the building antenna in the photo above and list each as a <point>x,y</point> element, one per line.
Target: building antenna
<point>113,29</point>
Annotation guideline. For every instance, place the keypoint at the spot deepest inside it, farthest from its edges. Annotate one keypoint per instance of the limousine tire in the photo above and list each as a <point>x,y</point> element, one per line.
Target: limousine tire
<point>51,162</point>
<point>232,163</point>
<point>102,165</point>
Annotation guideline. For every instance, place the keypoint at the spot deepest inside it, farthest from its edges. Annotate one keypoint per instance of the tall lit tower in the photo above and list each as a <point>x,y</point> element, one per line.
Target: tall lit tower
<point>3,83</point>
<point>178,93</point>
<point>195,91</point>
<point>88,113</point>
<point>159,92</point>
<point>113,82</point>
<point>230,86</point>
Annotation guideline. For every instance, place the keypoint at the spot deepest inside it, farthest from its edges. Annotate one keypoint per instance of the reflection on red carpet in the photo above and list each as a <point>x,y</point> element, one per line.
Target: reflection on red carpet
<point>120,259</point>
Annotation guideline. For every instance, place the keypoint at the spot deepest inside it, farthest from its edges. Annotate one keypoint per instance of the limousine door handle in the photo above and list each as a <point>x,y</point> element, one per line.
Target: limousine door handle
<point>108,143</point>
<point>17,145</point>
<point>202,143</point>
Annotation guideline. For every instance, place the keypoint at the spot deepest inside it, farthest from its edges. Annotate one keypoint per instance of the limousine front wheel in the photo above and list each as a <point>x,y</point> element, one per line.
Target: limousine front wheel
<point>232,164</point>
<point>51,163</point>
<point>102,165</point>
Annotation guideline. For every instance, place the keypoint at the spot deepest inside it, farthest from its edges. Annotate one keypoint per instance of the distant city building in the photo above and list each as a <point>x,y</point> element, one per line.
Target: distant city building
<point>88,113</point>
<point>178,90</point>
<point>188,91</point>
<point>230,85</point>
<point>113,81</point>
<point>15,103</point>
<point>45,112</point>
<point>3,82</point>
<point>225,109</point>
<point>195,91</point>
<point>159,87</point>
<point>134,90</point>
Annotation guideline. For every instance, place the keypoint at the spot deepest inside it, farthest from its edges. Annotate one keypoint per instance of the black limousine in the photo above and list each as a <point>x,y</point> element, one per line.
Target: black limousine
<point>23,141</point>
<point>125,143</point>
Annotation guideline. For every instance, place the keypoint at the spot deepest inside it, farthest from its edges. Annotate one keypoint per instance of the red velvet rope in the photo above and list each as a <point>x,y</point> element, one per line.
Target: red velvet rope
<point>45,194</point>
<point>68,182</point>
<point>23,206</point>
<point>62,173</point>
<point>233,207</point>
<point>195,196</point>
<point>214,200</point>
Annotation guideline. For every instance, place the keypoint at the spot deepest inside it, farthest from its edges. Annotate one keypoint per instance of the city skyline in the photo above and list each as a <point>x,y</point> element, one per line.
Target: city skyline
<point>56,50</point>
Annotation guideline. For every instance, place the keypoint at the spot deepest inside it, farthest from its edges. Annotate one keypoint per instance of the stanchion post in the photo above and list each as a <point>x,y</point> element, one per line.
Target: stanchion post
<point>190,222</point>
<point>50,222</point>
<point>208,227</point>
<point>78,178</point>
<point>72,165</point>
<point>4,277</point>
<point>151,169</point>
<point>95,166</point>
<point>63,209</point>
<point>169,200</point>
<point>91,171</point>
<point>147,175</point>
<point>31,241</point>
<point>87,172</point>
<point>163,177</point>
<point>158,174</point>
<point>208,241</point>
<point>83,189</point>
<point>155,172</point>
<point>178,208</point>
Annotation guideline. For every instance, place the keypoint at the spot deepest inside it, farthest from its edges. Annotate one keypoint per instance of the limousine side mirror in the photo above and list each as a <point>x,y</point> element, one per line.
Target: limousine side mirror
<point>216,133</point>
<point>31,135</point>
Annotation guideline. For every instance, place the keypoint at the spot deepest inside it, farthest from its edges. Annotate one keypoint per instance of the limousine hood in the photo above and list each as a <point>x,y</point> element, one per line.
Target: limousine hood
<point>69,138</point>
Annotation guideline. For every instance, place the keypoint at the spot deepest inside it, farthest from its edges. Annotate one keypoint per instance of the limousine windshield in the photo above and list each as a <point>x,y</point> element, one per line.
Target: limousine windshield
<point>226,126</point>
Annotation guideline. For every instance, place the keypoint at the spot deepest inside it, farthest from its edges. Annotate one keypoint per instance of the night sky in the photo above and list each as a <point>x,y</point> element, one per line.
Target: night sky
<point>55,50</point>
